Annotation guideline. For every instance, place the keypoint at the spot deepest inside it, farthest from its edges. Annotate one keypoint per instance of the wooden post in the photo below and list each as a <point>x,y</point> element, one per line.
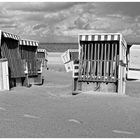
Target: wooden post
<point>108,66</point>
<point>88,66</point>
<point>101,60</point>
<point>95,60</point>
<point>105,61</point>
<point>120,70</point>
<point>91,57</point>
<point>98,62</point>
<point>112,59</point>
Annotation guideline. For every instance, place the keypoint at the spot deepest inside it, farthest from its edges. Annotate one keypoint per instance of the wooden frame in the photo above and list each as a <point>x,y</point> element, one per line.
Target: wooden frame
<point>43,57</point>
<point>9,46</point>
<point>28,50</point>
<point>107,61</point>
<point>68,57</point>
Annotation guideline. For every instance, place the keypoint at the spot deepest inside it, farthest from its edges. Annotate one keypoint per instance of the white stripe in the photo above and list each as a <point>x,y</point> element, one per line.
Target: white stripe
<point>96,37</point>
<point>102,37</point>
<point>4,34</point>
<point>8,35</point>
<point>109,37</point>
<point>89,37</point>
<point>24,43</point>
<point>115,37</point>
<point>27,42</point>
<point>33,43</point>
<point>83,37</point>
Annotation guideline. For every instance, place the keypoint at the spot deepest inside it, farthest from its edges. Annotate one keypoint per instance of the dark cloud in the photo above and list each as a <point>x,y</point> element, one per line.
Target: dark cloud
<point>39,7</point>
<point>51,19</point>
<point>125,8</point>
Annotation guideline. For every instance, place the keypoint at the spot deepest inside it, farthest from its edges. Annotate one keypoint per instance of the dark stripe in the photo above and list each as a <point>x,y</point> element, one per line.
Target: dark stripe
<point>86,38</point>
<point>76,74</point>
<point>93,37</point>
<point>112,37</point>
<point>105,38</point>
<point>118,37</point>
<point>80,37</point>
<point>76,67</point>
<point>99,37</point>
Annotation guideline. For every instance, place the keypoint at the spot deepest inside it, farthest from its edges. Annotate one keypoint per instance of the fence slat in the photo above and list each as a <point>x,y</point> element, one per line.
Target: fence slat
<point>91,58</point>
<point>115,67</point>
<point>88,62</point>
<point>81,62</point>
<point>105,52</point>
<point>112,60</point>
<point>101,60</point>
<point>95,46</point>
<point>85,48</point>
<point>108,64</point>
<point>98,62</point>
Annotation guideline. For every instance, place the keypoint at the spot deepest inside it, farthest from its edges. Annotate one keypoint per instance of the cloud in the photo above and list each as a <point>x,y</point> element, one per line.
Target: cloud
<point>128,31</point>
<point>38,6</point>
<point>39,26</point>
<point>58,20</point>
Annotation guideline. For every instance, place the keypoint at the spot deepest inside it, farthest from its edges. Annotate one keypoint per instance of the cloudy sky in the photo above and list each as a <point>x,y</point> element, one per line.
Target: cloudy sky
<point>62,21</point>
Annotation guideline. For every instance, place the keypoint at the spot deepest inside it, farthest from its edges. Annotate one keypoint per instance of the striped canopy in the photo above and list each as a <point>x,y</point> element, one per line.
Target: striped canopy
<point>9,35</point>
<point>28,43</point>
<point>99,37</point>
<point>41,50</point>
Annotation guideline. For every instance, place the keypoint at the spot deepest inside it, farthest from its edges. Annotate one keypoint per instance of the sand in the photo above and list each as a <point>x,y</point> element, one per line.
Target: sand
<point>51,111</point>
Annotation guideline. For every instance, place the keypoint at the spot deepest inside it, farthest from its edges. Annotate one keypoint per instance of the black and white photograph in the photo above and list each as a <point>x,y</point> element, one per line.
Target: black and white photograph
<point>70,69</point>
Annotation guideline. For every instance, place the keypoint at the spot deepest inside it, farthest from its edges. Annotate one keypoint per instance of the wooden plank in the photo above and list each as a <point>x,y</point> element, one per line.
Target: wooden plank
<point>88,62</point>
<point>115,66</point>
<point>105,53</point>
<point>91,66</point>
<point>108,57</point>
<point>98,62</point>
<point>85,46</point>
<point>112,60</point>
<point>81,62</point>
<point>120,70</point>
<point>95,60</point>
<point>101,60</point>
